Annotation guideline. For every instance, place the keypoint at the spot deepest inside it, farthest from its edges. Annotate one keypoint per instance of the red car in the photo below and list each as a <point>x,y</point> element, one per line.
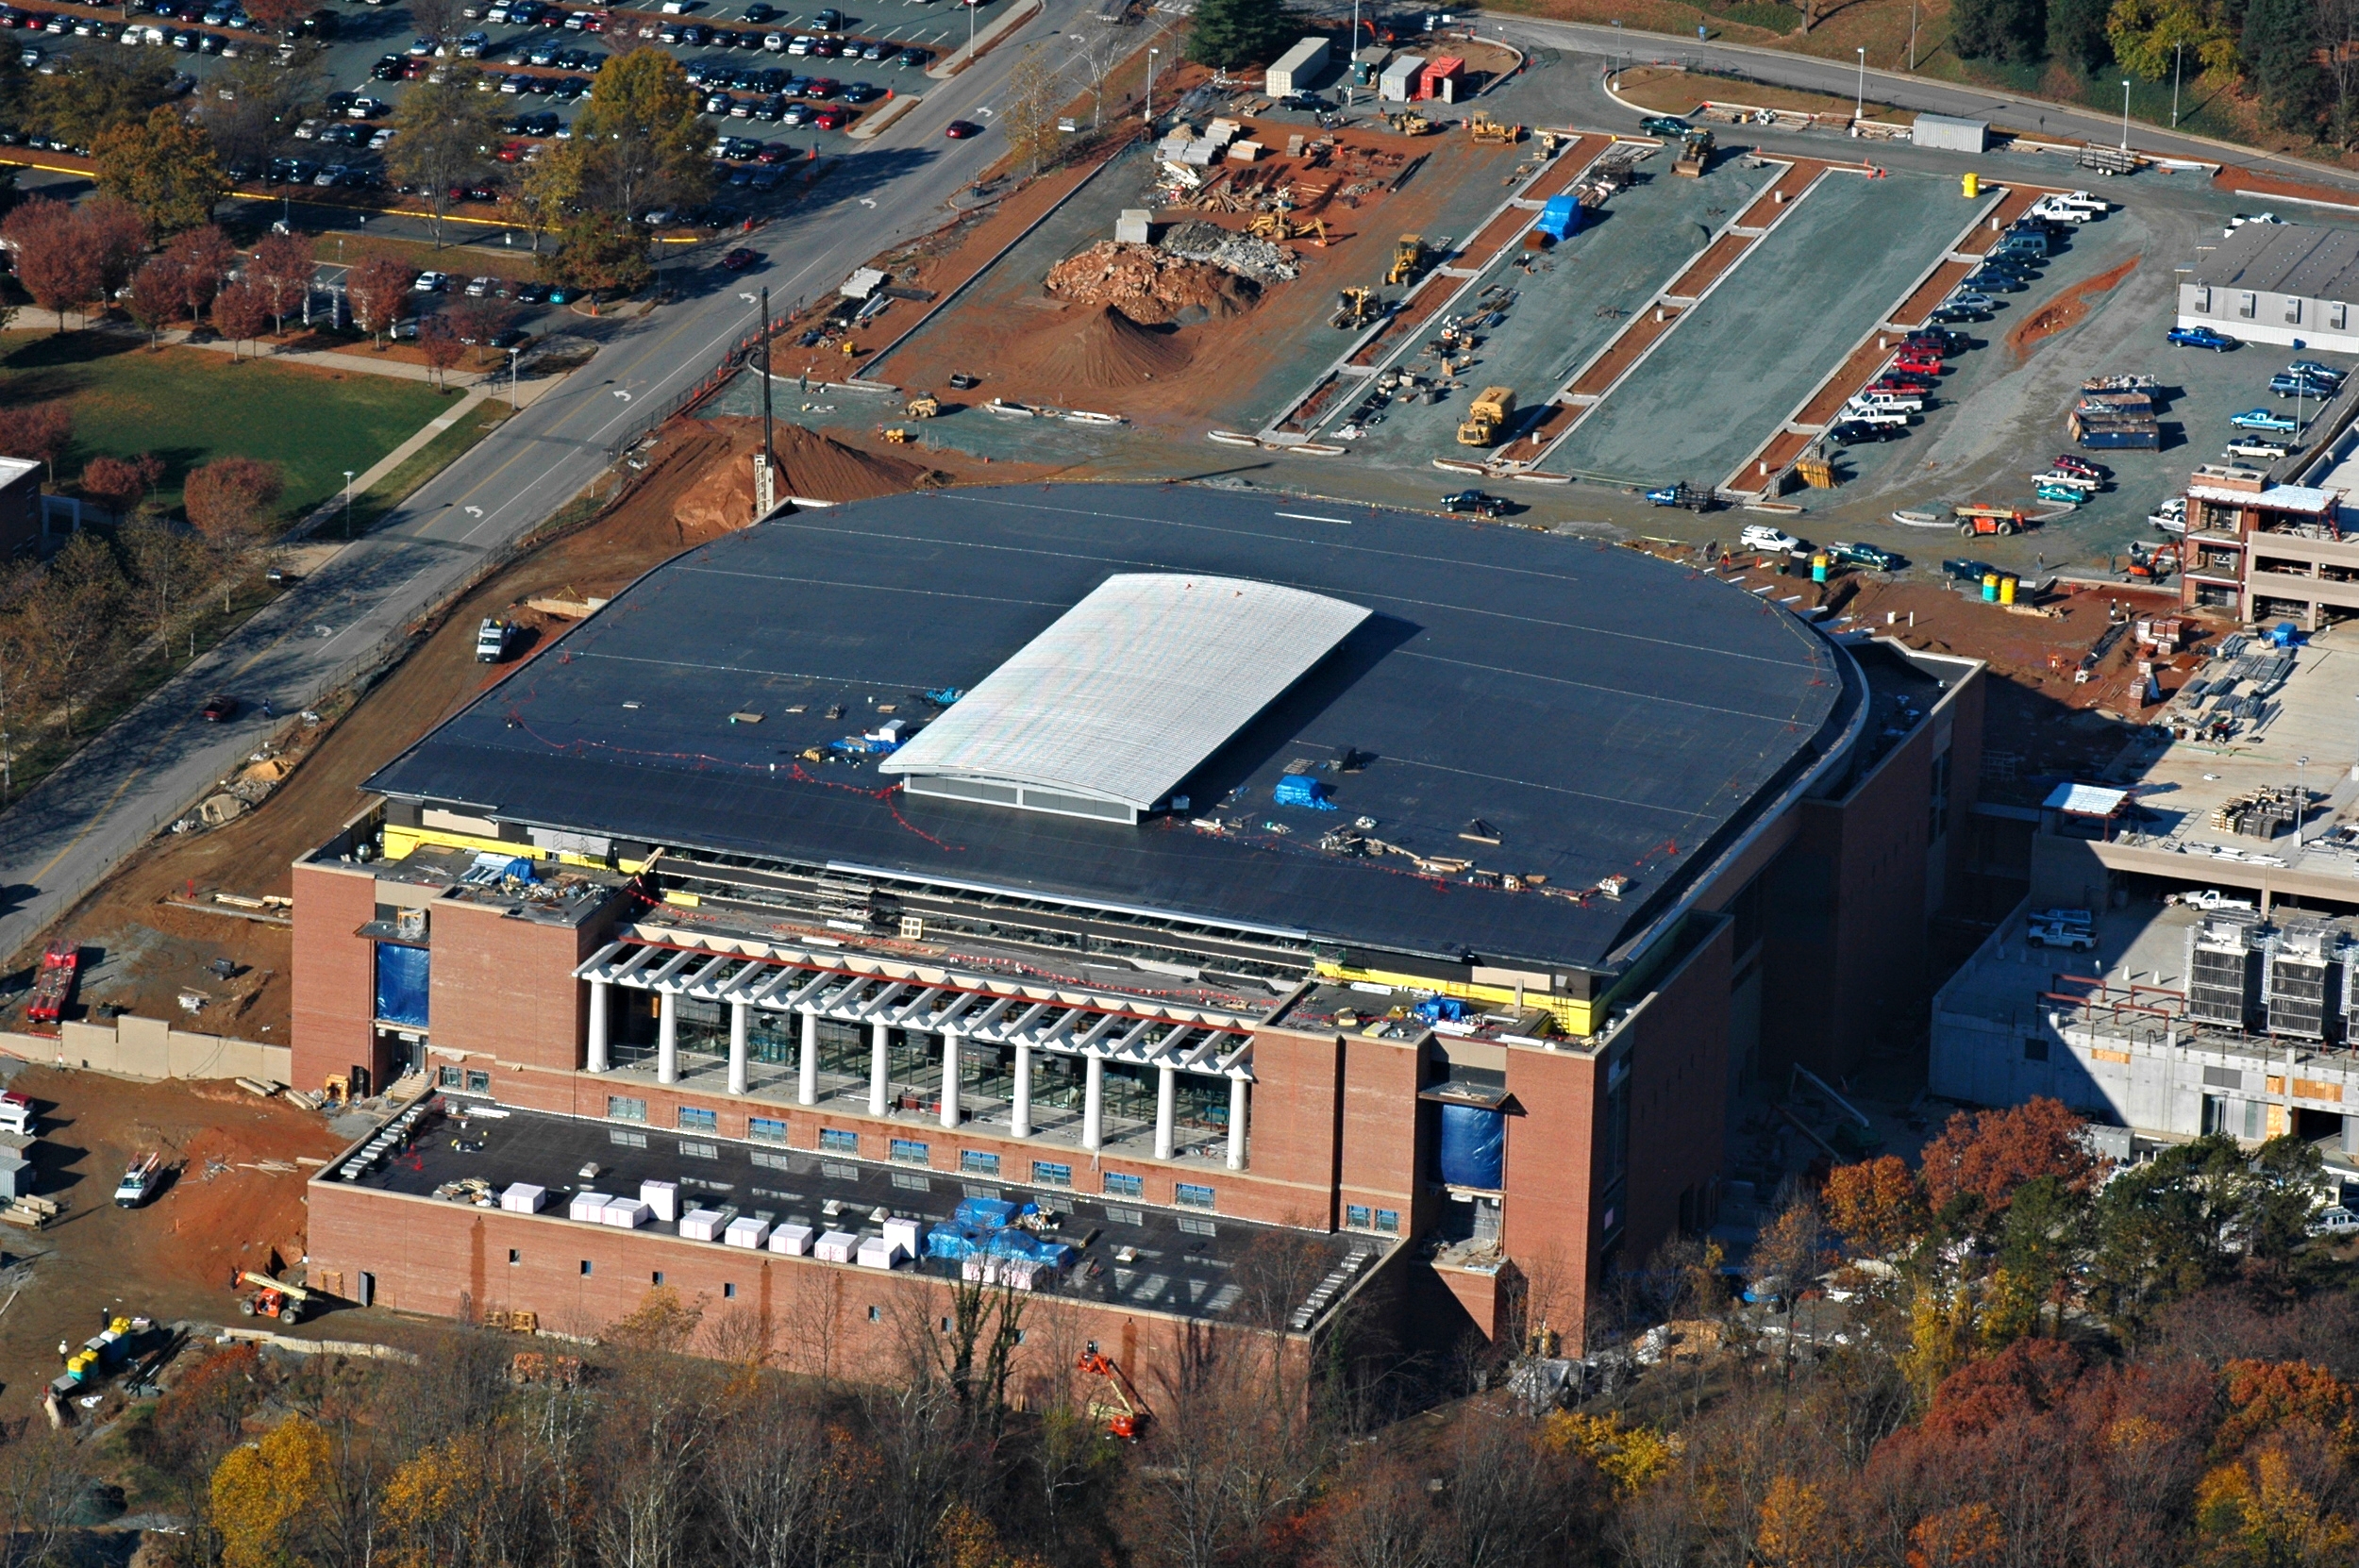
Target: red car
<point>828,119</point>
<point>218,708</point>
<point>959,130</point>
<point>741,258</point>
<point>1919,364</point>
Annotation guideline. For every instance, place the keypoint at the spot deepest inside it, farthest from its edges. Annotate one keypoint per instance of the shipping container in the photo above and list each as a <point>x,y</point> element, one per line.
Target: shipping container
<point>1298,69</point>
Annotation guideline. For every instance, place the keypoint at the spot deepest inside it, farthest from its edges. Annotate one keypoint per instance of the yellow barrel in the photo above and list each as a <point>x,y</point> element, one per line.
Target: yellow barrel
<point>2006,591</point>
<point>1971,183</point>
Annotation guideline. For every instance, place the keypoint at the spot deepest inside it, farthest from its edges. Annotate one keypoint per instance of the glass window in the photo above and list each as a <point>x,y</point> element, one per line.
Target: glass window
<point>1388,1220</point>
<point>2034,1049</point>
<point>1121,1186</point>
<point>478,1082</point>
<point>1356,1216</point>
<point>728,1291</point>
<point>1047,1175</point>
<point>449,1077</point>
<point>839,1140</point>
<point>2338,316</point>
<point>908,1151</point>
<point>585,1265</point>
<point>622,1107</point>
<point>976,1162</point>
<point>1189,1195</point>
<point>698,1119</point>
<point>765,1129</point>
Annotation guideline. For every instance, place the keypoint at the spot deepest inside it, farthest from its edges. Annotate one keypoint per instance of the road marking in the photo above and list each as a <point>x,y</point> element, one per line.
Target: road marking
<point>1306,517</point>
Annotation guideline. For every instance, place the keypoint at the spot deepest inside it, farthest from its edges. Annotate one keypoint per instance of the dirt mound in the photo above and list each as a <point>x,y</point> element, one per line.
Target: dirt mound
<point>2066,309</point>
<point>1106,348</point>
<point>1147,284</point>
<point>809,464</point>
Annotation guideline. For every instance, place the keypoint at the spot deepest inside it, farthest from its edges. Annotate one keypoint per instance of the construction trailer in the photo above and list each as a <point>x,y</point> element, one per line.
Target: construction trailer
<point>1298,68</point>
<point>1949,134</point>
<point>1397,84</point>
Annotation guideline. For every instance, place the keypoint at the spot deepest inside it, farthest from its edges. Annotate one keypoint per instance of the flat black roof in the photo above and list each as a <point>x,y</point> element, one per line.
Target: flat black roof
<point>1177,1261</point>
<point>1600,711</point>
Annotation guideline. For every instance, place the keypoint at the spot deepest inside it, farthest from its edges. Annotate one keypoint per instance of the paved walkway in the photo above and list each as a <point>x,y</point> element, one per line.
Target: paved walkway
<point>360,364</point>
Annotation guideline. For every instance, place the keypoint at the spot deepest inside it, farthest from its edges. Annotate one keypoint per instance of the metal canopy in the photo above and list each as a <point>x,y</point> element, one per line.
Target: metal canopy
<point>1128,691</point>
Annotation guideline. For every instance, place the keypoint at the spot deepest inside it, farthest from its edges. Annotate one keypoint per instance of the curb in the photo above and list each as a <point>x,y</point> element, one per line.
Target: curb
<point>967,54</point>
<point>873,125</point>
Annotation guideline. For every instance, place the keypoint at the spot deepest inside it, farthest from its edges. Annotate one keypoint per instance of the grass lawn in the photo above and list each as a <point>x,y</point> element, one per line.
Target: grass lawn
<point>191,406</point>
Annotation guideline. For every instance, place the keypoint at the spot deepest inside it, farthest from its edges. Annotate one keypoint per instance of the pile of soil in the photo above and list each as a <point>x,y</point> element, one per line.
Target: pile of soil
<point>1147,284</point>
<point>2066,309</point>
<point>722,498</point>
<point>1105,348</point>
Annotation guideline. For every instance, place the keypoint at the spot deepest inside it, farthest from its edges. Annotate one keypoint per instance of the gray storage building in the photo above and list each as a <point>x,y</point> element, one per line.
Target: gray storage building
<point>1950,135</point>
<point>2277,283</point>
<point>1399,79</point>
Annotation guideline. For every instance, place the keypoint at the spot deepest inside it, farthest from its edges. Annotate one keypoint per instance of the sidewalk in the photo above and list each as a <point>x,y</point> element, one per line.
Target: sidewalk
<point>359,364</point>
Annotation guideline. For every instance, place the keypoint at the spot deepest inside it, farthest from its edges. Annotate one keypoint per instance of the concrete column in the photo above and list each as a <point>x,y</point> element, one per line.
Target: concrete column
<point>1236,1123</point>
<point>667,1039</point>
<point>1020,1113</point>
<point>949,1077</point>
<point>597,1020</point>
<point>807,1080</point>
<point>738,1020</point>
<point>1094,1107</point>
<point>1166,1097</point>
<point>875,1069</point>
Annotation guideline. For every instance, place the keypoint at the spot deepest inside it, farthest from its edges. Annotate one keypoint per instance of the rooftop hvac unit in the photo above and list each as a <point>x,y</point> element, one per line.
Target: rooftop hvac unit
<point>2221,970</point>
<point>2302,981</point>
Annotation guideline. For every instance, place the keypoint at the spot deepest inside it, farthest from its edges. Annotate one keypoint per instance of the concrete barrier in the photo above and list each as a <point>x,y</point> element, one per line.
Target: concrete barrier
<point>152,1048</point>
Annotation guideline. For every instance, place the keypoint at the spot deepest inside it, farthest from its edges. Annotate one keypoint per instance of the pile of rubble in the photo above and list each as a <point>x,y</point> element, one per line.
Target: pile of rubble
<point>1241,253</point>
<point>1152,285</point>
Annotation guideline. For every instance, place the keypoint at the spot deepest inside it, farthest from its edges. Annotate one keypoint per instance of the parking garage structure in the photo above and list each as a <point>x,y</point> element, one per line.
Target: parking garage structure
<point>1199,852</point>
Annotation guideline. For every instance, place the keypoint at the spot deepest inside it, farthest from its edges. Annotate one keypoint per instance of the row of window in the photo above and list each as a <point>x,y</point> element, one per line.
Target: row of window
<point>1384,1222</point>
<point>2249,308</point>
<point>899,1151</point>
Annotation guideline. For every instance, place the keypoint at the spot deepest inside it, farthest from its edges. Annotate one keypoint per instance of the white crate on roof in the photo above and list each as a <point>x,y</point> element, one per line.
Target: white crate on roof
<point>662,1197</point>
<point>626,1213</point>
<point>700,1225</point>
<point>835,1246</point>
<point>522,1197</point>
<point>877,1253</point>
<point>588,1206</point>
<point>792,1239</point>
<point>747,1231</point>
<point>903,1234</point>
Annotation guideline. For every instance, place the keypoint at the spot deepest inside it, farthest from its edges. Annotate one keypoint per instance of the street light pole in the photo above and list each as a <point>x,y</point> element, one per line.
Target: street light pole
<point>1912,34</point>
<point>1151,87</point>
<point>1859,99</point>
<point>349,473</point>
<point>2176,51</point>
<point>511,375</point>
<point>769,449</point>
<point>2125,116</point>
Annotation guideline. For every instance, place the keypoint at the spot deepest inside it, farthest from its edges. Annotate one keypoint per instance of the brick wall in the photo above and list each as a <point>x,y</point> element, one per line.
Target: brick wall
<point>1297,1122</point>
<point>1549,1227</point>
<point>1678,1043</point>
<point>827,1319</point>
<point>1380,1157</point>
<point>506,987</point>
<point>334,986</point>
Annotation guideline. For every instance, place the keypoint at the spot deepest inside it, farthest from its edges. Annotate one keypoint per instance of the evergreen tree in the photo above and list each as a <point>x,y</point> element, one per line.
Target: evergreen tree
<point>1231,33</point>
<point>2012,31</point>
<point>2076,32</point>
<point>2280,48</point>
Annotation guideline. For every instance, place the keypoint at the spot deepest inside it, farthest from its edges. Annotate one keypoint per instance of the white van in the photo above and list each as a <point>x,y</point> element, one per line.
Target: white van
<point>16,1115</point>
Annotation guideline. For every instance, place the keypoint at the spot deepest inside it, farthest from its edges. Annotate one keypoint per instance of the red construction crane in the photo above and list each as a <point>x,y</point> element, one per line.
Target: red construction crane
<point>1120,1407</point>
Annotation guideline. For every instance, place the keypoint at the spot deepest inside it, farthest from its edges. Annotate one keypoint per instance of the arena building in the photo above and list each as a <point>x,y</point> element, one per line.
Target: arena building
<point>1200,866</point>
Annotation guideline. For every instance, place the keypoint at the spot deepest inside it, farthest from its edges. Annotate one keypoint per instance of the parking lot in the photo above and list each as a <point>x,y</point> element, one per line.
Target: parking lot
<point>1568,304</point>
<point>1743,358</point>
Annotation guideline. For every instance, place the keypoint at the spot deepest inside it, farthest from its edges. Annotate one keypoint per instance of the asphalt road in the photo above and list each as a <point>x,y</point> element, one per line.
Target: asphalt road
<point>1898,87</point>
<point>69,833</point>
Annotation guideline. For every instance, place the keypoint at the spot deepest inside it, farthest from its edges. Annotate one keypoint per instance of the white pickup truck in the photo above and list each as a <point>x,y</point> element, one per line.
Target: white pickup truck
<point>494,639</point>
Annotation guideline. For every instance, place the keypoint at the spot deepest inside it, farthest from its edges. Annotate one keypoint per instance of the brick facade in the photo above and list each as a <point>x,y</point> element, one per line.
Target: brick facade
<point>506,986</point>
<point>334,986</point>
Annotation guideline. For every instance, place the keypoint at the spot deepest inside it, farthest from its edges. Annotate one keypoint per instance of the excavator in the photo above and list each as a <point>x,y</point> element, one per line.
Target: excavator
<point>1354,308</point>
<point>1120,1407</point>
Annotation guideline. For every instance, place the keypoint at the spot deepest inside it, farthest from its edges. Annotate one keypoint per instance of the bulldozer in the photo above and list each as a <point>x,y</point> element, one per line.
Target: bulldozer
<point>924,405</point>
<point>1693,153</point>
<point>1354,308</point>
<point>1487,131</point>
<point>1491,410</point>
<point>1408,122</point>
<point>1407,260</point>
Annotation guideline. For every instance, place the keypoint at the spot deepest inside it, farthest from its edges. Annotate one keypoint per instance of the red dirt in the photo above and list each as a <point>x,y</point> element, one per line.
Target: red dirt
<point>1105,348</point>
<point>1145,284</point>
<point>722,497</point>
<point>2065,309</point>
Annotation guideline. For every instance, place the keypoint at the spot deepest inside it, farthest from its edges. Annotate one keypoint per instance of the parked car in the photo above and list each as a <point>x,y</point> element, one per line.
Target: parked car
<point>1965,570</point>
<point>1664,125</point>
<point>2051,933</point>
<point>2335,1221</point>
<point>1874,557</point>
<point>2253,449</point>
<point>2200,336</point>
<point>1993,278</point>
<point>1764,536</point>
<point>1861,432</point>
<point>2082,466</point>
<point>1480,502</point>
<point>2303,386</point>
<point>2263,419</point>
<point>1954,311</point>
<point>2316,371</point>
<point>430,283</point>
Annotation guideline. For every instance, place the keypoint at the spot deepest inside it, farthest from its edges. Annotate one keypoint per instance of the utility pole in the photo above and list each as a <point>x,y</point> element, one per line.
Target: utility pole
<point>2125,115</point>
<point>1912,34</point>
<point>769,448</point>
<point>349,473</point>
<point>2176,51</point>
<point>1151,87</point>
<point>1859,99</point>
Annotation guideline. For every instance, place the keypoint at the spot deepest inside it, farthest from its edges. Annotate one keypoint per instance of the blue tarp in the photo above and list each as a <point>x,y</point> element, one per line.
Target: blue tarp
<point>980,1227</point>
<point>401,984</point>
<point>1299,788</point>
<point>1474,1148</point>
<point>1560,218</point>
<point>983,1213</point>
<point>1436,1009</point>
